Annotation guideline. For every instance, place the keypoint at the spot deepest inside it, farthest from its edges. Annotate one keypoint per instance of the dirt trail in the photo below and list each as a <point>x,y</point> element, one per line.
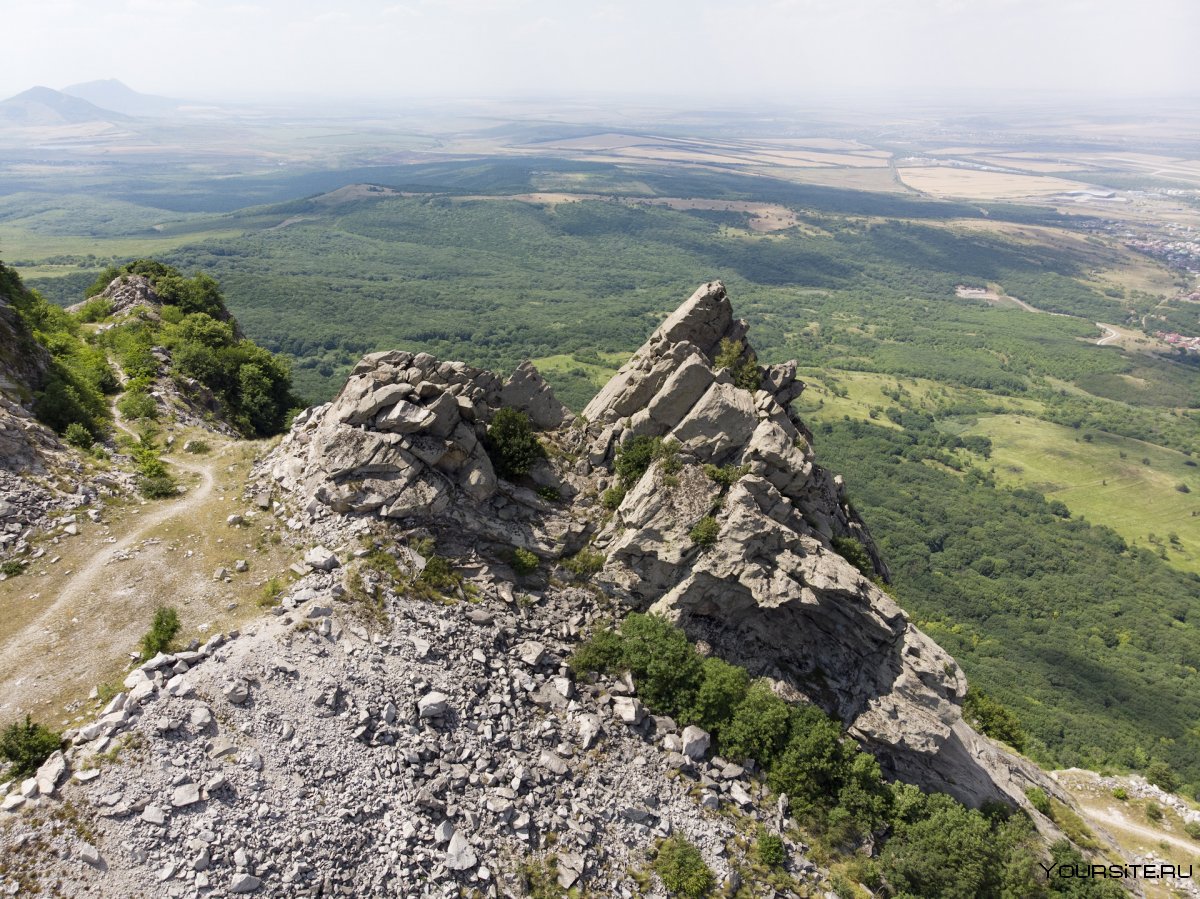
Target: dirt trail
<point>83,613</point>
<point>1112,335</point>
<point>72,624</point>
<point>1114,818</point>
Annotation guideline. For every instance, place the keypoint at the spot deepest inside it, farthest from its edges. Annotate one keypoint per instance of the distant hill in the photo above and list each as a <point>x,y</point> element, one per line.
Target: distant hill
<point>46,106</point>
<point>119,97</point>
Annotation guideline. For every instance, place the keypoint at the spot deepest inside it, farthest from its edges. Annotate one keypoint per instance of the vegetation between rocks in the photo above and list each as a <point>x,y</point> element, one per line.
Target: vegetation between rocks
<point>904,843</point>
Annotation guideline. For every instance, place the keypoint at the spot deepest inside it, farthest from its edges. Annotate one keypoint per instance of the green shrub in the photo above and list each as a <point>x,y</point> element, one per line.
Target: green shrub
<point>511,444</point>
<point>1154,811</point>
<point>663,662</point>
<point>1120,793</point>
<point>539,878</point>
<point>162,633</point>
<point>681,868</point>
<point>604,653</point>
<point>742,365</point>
<point>705,532</point>
<point>270,592</point>
<point>26,745</point>
<point>11,568</point>
<point>524,562</point>
<point>1039,800</point>
<point>853,552</point>
<point>95,310</point>
<point>993,719</point>
<point>1192,829</point>
<point>440,574</point>
<point>726,475</point>
<point>759,727</point>
<point>667,456</point>
<point>1160,774</point>
<point>549,494</point>
<point>584,563</point>
<point>769,848</point>
<point>612,498</point>
<point>78,436</point>
<point>633,458</point>
<point>197,447</point>
<point>137,404</point>
<point>722,689</point>
<point>161,486</point>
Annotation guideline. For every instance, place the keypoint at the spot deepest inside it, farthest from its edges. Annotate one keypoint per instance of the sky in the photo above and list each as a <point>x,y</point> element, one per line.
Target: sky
<point>789,50</point>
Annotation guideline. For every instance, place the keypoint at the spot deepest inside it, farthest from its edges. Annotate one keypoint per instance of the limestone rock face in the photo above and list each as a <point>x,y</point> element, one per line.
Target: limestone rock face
<point>528,391</point>
<point>404,442</point>
<point>127,294</point>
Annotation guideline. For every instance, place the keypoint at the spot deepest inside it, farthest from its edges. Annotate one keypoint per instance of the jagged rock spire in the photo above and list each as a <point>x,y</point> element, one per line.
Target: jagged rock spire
<point>403,442</point>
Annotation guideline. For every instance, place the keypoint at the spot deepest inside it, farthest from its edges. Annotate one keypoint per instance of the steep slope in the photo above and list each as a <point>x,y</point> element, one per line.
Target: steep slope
<point>407,722</point>
<point>36,470</point>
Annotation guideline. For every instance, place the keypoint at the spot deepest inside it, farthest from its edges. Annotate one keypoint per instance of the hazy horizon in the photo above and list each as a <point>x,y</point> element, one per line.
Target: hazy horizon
<point>1095,53</point>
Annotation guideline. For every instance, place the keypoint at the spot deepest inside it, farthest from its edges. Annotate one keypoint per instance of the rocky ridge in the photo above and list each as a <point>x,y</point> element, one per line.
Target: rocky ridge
<point>403,443</point>
<point>378,738</point>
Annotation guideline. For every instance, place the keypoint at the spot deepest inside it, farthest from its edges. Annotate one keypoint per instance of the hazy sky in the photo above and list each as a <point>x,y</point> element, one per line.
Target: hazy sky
<point>791,49</point>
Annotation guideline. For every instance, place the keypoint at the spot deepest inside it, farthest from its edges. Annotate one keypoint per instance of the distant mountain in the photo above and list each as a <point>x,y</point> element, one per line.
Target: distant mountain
<point>46,106</point>
<point>119,97</point>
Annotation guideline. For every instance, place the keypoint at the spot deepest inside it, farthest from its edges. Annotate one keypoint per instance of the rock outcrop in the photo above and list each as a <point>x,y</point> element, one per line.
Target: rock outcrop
<point>770,587</point>
<point>128,295</point>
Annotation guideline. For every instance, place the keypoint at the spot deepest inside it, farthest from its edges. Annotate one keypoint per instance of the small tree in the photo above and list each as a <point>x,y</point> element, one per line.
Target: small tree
<point>511,444</point>
<point>162,632</point>
<point>27,746</point>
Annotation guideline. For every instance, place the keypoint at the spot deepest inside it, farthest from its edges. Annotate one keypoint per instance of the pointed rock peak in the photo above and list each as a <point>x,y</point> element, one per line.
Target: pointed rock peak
<point>691,334</point>
<point>528,391</point>
<point>703,320</point>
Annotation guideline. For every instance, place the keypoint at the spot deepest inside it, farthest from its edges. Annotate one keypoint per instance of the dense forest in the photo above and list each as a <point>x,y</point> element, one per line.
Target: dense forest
<point>1095,645</point>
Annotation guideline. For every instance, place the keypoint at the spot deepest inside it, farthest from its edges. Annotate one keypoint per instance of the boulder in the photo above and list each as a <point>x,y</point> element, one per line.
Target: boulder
<point>526,390</point>
<point>459,854</point>
<point>321,559</point>
<point>433,705</point>
<point>695,742</point>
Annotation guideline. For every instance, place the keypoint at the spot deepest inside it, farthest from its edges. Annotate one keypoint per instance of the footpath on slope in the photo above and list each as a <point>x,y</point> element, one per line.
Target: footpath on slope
<point>70,624</point>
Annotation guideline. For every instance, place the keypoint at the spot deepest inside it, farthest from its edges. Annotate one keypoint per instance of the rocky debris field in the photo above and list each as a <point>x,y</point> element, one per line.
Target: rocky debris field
<point>315,757</point>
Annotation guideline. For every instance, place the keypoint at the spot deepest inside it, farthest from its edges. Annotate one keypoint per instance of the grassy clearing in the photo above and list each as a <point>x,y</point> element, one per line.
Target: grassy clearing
<point>1103,479</point>
<point>575,381</point>
<point>21,244</point>
<point>832,395</point>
